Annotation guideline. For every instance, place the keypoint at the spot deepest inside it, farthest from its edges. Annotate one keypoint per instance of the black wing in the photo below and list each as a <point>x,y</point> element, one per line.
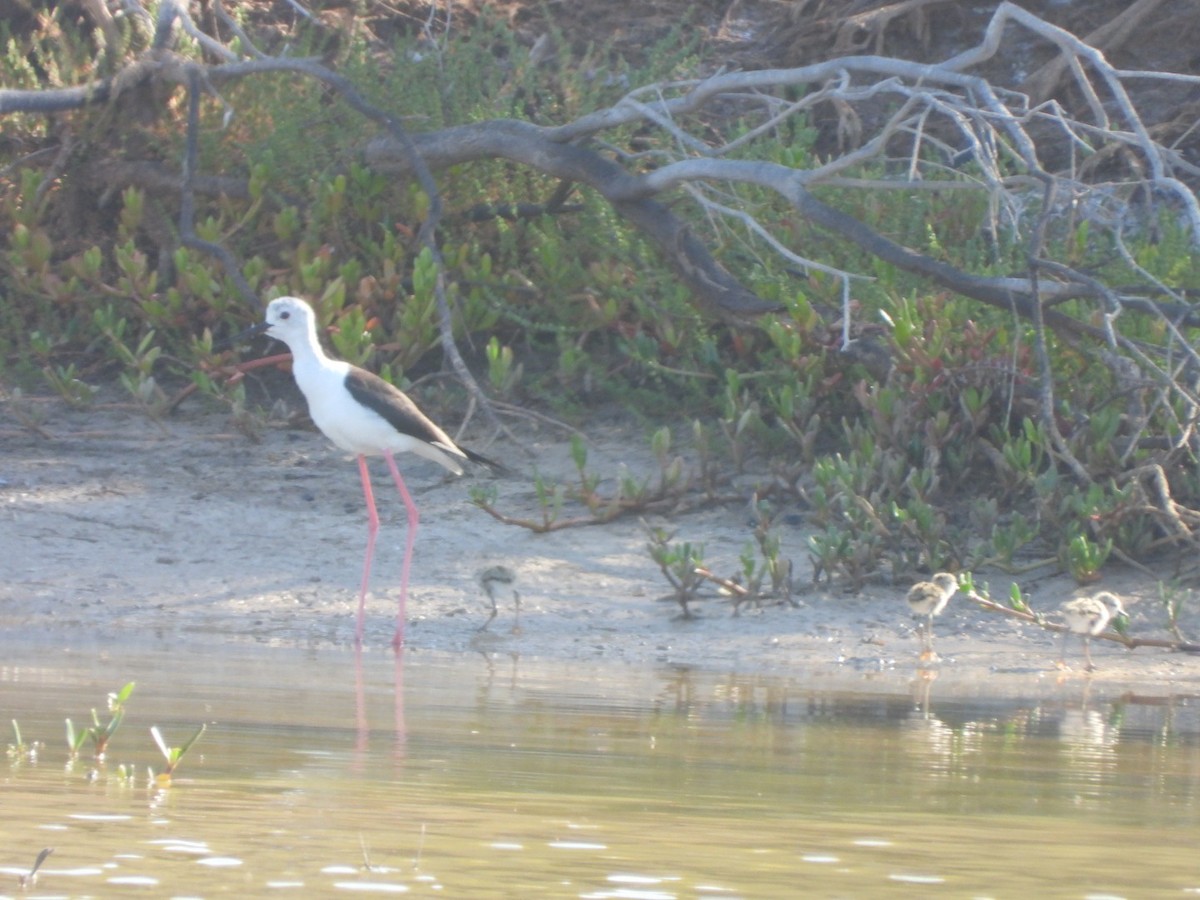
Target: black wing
<point>399,411</point>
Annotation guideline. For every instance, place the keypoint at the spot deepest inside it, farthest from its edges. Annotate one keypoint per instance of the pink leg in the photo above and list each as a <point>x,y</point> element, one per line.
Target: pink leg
<point>409,539</point>
<point>372,530</point>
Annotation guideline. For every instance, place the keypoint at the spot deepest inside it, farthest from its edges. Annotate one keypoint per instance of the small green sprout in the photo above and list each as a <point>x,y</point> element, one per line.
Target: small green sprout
<point>173,755</point>
<point>20,750</point>
<point>100,734</point>
<point>679,563</point>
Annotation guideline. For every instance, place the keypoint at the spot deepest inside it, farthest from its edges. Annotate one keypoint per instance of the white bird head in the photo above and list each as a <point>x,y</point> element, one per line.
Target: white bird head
<point>289,319</point>
<point>1112,601</point>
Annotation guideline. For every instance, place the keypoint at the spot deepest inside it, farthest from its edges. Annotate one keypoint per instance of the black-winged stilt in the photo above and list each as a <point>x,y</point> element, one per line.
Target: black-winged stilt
<point>928,599</point>
<point>364,415</point>
<point>1087,617</point>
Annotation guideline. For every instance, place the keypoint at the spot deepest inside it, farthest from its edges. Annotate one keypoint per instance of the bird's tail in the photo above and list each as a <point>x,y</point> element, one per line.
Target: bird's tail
<point>481,460</point>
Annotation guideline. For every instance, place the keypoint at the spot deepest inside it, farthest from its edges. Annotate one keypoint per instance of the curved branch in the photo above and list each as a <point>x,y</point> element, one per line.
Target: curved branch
<point>529,145</point>
<point>187,206</point>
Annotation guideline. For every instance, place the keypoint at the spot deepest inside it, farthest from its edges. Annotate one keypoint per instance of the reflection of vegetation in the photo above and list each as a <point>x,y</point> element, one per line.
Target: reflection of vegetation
<point>920,444</point>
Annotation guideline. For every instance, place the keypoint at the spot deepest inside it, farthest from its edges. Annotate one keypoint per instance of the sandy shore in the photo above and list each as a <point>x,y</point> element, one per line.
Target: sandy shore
<point>113,525</point>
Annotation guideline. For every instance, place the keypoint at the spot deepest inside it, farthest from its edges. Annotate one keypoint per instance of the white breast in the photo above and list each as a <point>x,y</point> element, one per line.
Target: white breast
<point>350,425</point>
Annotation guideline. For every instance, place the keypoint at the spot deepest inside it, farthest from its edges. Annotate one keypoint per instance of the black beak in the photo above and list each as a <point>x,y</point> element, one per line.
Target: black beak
<point>242,336</point>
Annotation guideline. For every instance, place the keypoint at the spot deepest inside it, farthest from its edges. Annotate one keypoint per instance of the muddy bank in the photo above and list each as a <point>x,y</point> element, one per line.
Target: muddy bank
<point>114,528</point>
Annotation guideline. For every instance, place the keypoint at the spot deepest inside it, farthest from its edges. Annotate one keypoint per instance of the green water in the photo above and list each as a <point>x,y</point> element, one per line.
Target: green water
<point>498,777</point>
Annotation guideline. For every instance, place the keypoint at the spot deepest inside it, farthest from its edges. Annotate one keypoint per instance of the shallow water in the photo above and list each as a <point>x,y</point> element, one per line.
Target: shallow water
<point>478,776</point>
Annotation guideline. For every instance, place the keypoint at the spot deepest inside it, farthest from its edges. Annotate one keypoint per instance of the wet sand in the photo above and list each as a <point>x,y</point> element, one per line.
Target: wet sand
<point>115,528</point>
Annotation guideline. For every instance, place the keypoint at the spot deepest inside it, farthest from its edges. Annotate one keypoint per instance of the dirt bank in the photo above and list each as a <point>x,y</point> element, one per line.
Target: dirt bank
<point>114,526</point>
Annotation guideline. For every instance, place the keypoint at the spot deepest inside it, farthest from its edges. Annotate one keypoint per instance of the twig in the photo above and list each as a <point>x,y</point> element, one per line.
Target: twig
<point>1115,637</point>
